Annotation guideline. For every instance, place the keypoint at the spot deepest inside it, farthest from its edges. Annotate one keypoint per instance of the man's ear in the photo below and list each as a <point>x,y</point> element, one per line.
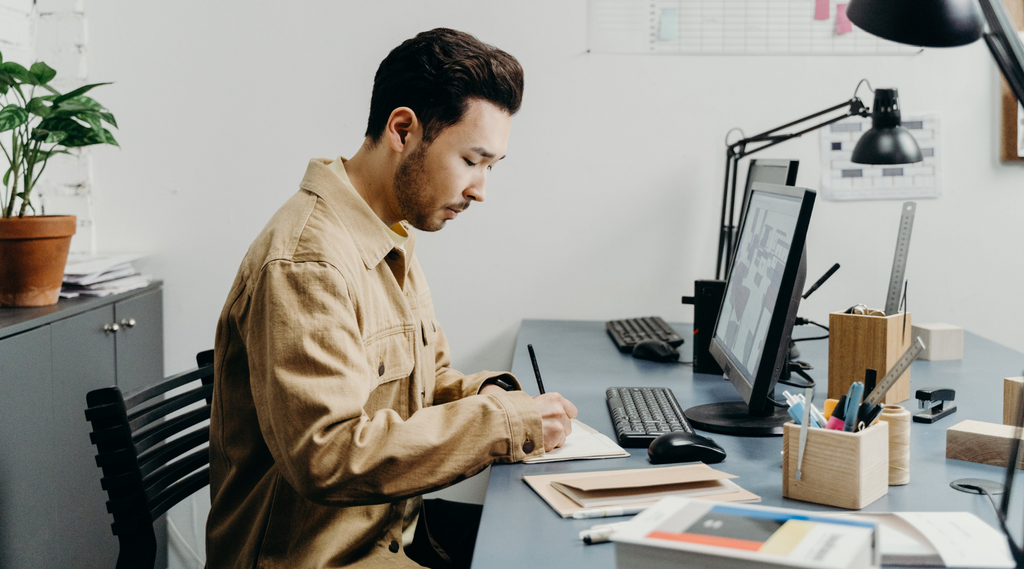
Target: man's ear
<point>402,129</point>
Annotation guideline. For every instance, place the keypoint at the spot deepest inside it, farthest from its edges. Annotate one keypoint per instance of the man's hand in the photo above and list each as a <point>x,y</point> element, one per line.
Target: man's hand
<point>555,412</point>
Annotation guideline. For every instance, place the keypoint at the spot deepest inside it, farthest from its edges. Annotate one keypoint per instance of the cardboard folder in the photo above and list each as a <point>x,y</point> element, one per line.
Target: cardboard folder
<point>636,487</point>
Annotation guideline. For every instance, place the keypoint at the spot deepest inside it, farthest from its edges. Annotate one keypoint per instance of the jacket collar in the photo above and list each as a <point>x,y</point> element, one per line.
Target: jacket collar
<point>368,231</point>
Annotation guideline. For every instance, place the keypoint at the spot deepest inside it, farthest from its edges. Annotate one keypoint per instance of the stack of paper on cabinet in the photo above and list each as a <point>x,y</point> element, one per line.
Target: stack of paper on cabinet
<point>573,491</point>
<point>683,532</point>
<point>583,442</point>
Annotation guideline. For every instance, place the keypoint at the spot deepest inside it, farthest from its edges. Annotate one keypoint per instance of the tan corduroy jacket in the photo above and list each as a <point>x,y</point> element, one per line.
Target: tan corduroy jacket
<point>333,396</point>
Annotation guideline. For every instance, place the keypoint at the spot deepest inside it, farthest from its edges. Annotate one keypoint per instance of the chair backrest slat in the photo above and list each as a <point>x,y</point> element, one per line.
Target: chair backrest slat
<point>160,432</point>
<point>178,492</point>
<point>150,459</point>
<point>151,413</point>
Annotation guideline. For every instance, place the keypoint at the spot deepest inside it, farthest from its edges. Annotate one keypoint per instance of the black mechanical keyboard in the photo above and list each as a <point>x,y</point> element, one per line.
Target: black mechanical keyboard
<point>640,414</point>
<point>626,333</point>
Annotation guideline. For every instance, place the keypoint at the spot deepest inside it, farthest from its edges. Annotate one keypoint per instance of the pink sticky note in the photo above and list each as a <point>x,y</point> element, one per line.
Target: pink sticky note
<point>821,9</point>
<point>843,23</point>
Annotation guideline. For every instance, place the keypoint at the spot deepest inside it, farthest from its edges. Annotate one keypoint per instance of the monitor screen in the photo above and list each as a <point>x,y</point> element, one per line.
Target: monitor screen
<point>753,285</point>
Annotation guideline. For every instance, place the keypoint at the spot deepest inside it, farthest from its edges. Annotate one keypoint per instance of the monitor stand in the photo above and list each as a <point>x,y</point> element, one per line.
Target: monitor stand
<point>734,418</point>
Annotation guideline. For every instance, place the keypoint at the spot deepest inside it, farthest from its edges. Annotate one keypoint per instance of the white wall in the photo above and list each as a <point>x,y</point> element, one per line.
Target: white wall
<point>54,31</point>
<point>607,205</point>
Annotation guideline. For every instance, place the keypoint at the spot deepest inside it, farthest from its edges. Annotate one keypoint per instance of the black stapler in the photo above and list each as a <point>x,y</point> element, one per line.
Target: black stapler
<point>937,411</point>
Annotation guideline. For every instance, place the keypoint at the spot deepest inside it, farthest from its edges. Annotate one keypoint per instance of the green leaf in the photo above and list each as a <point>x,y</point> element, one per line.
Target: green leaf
<point>90,138</point>
<point>3,88</point>
<point>76,92</point>
<point>42,72</point>
<point>109,118</point>
<point>38,106</point>
<point>11,117</point>
<point>18,72</point>
<point>7,176</point>
<point>81,102</point>
<point>55,137</point>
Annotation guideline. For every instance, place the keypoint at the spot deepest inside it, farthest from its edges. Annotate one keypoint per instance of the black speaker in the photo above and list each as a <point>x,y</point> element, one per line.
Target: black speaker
<point>706,301</point>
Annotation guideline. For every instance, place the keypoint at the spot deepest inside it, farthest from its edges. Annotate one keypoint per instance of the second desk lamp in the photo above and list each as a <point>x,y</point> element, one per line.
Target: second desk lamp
<point>885,143</point>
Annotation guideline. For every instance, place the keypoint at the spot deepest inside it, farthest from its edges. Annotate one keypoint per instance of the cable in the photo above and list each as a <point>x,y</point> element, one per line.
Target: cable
<point>803,322</point>
<point>808,381</point>
<point>999,515</point>
<point>825,337</point>
<point>858,87</point>
<point>737,129</point>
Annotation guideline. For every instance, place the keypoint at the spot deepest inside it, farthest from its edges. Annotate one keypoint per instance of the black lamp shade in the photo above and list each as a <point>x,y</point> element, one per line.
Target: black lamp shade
<point>927,23</point>
<point>887,142</point>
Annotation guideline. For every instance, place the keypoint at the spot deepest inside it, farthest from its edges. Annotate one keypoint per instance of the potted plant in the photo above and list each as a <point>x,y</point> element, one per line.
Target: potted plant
<point>36,123</point>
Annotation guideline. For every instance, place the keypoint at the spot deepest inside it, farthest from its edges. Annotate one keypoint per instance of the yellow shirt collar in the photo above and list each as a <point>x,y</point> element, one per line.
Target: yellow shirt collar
<point>398,232</point>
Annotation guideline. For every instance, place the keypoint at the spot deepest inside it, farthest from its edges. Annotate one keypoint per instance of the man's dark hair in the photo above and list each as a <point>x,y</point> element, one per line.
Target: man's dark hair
<point>436,74</point>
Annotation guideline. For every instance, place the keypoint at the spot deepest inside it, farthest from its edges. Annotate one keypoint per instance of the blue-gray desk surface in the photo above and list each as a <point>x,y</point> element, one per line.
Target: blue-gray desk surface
<point>578,360</point>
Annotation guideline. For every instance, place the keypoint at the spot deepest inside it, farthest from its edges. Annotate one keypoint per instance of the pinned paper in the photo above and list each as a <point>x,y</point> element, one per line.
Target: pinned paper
<point>843,23</point>
<point>668,27</point>
<point>821,9</point>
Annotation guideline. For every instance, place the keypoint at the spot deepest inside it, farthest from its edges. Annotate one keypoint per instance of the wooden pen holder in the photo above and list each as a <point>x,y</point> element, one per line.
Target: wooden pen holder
<point>857,343</point>
<point>846,470</point>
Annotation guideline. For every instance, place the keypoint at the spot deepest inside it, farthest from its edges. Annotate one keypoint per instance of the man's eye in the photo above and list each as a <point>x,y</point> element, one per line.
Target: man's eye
<point>469,163</point>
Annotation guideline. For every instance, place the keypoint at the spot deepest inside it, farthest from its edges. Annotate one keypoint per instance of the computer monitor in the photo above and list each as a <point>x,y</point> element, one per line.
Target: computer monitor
<point>762,295</point>
<point>767,170</point>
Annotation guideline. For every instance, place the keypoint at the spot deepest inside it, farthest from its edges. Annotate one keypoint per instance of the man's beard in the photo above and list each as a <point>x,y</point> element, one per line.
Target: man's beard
<point>412,193</point>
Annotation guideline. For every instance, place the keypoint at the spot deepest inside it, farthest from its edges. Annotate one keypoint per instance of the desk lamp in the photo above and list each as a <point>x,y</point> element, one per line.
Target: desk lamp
<point>950,23</point>
<point>885,143</point>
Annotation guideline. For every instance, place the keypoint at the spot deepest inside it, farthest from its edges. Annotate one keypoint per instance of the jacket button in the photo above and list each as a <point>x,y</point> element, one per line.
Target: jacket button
<point>528,447</point>
<point>393,547</point>
<point>380,370</point>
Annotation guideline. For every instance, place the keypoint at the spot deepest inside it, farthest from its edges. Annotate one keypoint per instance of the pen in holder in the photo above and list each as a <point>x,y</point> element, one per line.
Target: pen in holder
<point>859,342</point>
<point>846,470</point>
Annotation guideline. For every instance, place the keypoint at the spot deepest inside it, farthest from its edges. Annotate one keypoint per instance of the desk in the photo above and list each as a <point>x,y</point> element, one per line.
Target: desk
<point>578,360</point>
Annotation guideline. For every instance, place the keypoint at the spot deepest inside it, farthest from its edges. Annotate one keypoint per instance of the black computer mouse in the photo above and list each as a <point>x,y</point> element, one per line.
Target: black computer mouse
<point>655,350</point>
<point>680,446</point>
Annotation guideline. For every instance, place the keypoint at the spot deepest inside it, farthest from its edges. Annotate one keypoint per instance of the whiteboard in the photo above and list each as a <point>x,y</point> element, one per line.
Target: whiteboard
<point>767,27</point>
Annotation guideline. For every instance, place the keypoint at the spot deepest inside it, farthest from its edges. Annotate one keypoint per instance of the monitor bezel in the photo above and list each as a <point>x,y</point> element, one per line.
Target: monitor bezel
<point>756,390</point>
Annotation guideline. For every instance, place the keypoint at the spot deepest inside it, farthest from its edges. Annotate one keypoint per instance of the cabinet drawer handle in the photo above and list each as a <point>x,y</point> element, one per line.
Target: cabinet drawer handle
<point>111,328</point>
<point>128,322</point>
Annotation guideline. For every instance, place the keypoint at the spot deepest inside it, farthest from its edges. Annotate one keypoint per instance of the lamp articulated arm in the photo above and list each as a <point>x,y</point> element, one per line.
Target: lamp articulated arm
<point>735,151</point>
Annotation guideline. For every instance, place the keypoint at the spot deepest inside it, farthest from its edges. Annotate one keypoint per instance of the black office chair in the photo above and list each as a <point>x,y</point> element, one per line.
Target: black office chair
<point>148,464</point>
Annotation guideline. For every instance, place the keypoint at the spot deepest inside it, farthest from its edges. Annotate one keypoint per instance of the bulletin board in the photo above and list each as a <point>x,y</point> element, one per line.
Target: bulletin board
<point>742,27</point>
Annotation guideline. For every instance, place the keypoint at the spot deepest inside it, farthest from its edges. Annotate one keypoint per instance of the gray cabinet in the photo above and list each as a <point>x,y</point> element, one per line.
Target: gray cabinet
<point>52,509</point>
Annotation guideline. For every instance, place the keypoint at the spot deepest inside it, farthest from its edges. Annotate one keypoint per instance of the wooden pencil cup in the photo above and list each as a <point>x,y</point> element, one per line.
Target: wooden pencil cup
<point>846,470</point>
<point>857,343</point>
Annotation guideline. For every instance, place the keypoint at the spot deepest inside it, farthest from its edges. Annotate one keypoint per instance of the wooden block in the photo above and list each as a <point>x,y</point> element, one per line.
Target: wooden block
<point>1011,398</point>
<point>984,443</point>
<point>857,343</point>
<point>846,470</point>
<point>941,341</point>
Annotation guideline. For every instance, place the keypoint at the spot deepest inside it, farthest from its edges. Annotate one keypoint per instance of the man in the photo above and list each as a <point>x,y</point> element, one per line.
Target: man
<point>334,401</point>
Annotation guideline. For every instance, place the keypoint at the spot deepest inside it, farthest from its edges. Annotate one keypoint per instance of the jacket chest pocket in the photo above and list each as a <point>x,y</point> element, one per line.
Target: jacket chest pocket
<point>391,357</point>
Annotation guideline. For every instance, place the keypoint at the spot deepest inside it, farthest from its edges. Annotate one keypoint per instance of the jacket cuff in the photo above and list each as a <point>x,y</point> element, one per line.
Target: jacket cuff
<point>526,431</point>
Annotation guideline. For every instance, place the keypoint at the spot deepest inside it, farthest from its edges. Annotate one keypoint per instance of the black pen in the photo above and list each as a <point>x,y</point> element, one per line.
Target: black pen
<point>536,370</point>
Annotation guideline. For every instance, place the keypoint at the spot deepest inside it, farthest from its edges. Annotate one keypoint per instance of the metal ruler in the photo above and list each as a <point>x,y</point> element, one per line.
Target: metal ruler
<point>899,261</point>
<point>901,365</point>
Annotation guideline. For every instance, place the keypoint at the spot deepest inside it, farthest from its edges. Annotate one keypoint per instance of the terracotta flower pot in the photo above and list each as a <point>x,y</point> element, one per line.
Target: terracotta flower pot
<point>33,252</point>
